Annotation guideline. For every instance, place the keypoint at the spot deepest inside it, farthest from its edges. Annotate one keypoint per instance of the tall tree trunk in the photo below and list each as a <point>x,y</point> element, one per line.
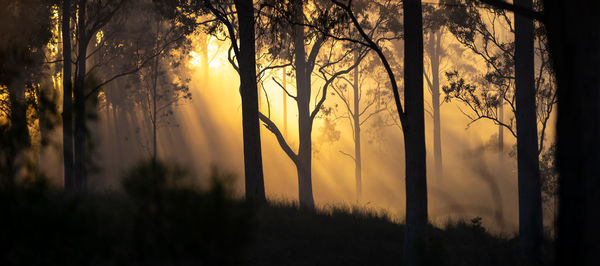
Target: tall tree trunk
<point>303,163</point>
<point>154,111</point>
<point>155,96</point>
<point>414,135</point>
<point>67,113</point>
<point>255,186</point>
<point>435,99</point>
<point>284,84</point>
<point>80,173</point>
<point>356,118</point>
<point>530,202</point>
<point>574,38</point>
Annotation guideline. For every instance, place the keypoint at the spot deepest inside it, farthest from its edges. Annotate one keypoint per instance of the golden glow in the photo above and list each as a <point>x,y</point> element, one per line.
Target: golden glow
<point>195,59</point>
<point>99,37</point>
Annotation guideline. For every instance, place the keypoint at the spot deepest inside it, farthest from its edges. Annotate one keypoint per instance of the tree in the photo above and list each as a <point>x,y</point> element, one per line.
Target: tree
<point>237,21</point>
<point>576,60</point>
<point>435,26</point>
<point>255,187</point>
<point>88,80</point>
<point>512,57</point>
<point>304,64</point>
<point>67,114</point>
<point>360,103</point>
<point>411,119</point>
<point>530,202</point>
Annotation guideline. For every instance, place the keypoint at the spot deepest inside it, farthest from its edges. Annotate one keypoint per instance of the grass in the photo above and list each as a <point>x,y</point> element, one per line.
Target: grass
<point>156,222</point>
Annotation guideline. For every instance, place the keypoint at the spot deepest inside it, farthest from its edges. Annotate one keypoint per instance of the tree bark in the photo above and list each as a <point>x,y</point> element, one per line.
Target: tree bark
<point>574,38</point>
<point>303,163</point>
<point>80,173</point>
<point>414,135</point>
<point>530,203</point>
<point>284,84</point>
<point>435,46</point>
<point>255,187</point>
<point>67,113</point>
<point>356,118</point>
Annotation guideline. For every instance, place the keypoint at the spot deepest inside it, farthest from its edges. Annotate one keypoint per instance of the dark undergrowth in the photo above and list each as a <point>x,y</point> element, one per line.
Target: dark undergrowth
<point>154,221</point>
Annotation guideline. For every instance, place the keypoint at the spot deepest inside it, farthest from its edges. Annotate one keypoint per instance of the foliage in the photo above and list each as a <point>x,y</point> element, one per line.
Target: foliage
<point>478,28</point>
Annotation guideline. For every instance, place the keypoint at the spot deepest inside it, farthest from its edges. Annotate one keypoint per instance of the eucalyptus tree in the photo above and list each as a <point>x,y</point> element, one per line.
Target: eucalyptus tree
<point>362,98</point>
<point>530,95</point>
<point>233,20</point>
<point>411,119</point>
<point>298,20</point>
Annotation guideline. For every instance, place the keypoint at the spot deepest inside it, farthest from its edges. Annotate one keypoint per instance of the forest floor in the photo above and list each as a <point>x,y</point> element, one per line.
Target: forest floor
<point>152,222</point>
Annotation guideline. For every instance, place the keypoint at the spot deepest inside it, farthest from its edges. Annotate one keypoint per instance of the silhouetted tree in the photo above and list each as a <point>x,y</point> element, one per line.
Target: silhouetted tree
<point>511,57</point>
<point>412,121</point>
<point>67,110</point>
<point>573,42</point>
<point>530,202</point>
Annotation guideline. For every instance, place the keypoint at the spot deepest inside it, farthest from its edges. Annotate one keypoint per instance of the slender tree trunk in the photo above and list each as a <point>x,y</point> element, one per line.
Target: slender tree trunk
<point>284,84</point>
<point>304,124</point>
<point>155,96</point>
<point>574,38</point>
<point>435,100</point>
<point>501,132</point>
<point>154,111</point>
<point>530,203</point>
<point>356,118</point>
<point>80,156</point>
<point>67,114</point>
<point>255,187</point>
<point>414,135</point>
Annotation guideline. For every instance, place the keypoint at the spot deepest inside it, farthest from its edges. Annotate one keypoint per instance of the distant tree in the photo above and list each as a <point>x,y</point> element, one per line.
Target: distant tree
<point>434,26</point>
<point>161,84</point>
<point>98,16</point>
<point>292,15</point>
<point>21,61</point>
<point>362,99</point>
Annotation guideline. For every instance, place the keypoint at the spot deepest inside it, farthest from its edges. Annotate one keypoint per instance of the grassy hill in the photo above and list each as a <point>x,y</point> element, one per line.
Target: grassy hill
<point>154,222</point>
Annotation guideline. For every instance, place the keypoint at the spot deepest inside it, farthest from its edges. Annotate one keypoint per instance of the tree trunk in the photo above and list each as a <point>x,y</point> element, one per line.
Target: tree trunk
<point>414,135</point>
<point>154,111</point>
<point>530,203</point>
<point>574,38</point>
<point>356,118</point>
<point>67,113</point>
<point>80,173</point>
<point>501,132</point>
<point>435,100</point>
<point>284,84</point>
<point>304,124</point>
<point>255,187</point>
